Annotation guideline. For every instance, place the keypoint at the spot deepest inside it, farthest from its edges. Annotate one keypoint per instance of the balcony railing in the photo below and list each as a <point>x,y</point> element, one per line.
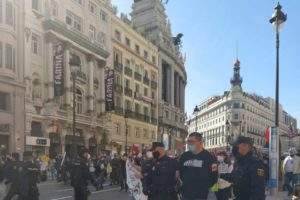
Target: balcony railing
<point>154,85</point>
<point>118,66</point>
<point>153,120</point>
<point>137,76</point>
<point>146,80</point>
<point>128,71</point>
<point>81,76</point>
<point>119,110</point>
<point>128,92</point>
<point>118,88</point>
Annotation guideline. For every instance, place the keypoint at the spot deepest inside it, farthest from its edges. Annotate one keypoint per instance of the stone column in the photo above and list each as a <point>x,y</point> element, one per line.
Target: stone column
<point>67,77</point>
<point>172,85</point>
<point>50,71</point>
<point>91,84</point>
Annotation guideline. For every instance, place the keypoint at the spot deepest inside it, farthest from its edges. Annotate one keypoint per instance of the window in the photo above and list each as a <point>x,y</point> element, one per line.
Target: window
<point>79,101</point>
<point>137,108</point>
<point>145,92</point>
<point>153,60</point>
<point>118,35</point>
<point>103,15</point>
<point>137,49</point>
<point>92,7</point>
<point>146,111</point>
<point>4,101</point>
<point>118,129</point>
<point>127,83</point>
<point>74,21</point>
<point>137,88</point>
<point>153,134</point>
<point>92,32</point>
<point>35,44</point>
<point>54,8</point>
<point>146,54</point>
<point>236,116</point>
<point>9,57</point>
<point>81,2</point>
<point>35,4</point>
<point>146,134</point>
<point>9,14</point>
<point>1,11</point>
<point>137,132</point>
<point>127,40</point>
<point>36,129</point>
<point>128,131</point>
<point>101,38</point>
<point>127,105</point>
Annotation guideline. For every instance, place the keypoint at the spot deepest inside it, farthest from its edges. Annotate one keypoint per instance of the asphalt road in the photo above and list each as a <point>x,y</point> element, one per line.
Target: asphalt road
<point>52,190</point>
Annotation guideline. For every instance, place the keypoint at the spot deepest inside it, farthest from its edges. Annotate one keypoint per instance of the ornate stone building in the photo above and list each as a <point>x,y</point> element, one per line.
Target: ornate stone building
<point>134,60</point>
<point>12,89</point>
<point>149,18</point>
<point>224,117</point>
<point>55,33</point>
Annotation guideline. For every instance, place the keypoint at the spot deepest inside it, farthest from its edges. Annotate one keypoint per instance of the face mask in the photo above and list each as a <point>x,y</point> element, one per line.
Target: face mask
<point>192,148</point>
<point>149,154</point>
<point>156,154</point>
<point>220,158</point>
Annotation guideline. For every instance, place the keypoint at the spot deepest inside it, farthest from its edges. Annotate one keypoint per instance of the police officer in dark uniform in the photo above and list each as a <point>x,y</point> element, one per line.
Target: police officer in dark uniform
<point>29,178</point>
<point>12,176</point>
<point>163,175</point>
<point>80,176</point>
<point>248,175</point>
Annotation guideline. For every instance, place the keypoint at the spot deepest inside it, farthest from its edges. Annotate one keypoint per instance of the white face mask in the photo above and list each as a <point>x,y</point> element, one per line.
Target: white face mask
<point>149,154</point>
<point>220,158</point>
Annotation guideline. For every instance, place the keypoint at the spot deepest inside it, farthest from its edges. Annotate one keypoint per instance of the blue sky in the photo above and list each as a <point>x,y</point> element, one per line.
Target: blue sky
<point>212,28</point>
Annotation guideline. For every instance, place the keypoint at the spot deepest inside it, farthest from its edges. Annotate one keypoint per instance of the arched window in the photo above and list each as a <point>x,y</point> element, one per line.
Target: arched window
<point>79,101</point>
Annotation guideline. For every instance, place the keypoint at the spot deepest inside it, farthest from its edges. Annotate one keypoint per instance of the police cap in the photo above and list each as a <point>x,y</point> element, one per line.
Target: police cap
<point>157,144</point>
<point>243,140</point>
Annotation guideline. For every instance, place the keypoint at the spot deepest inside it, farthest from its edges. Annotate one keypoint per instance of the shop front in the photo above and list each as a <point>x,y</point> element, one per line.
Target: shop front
<point>78,141</point>
<point>55,144</point>
<point>39,145</point>
<point>4,144</point>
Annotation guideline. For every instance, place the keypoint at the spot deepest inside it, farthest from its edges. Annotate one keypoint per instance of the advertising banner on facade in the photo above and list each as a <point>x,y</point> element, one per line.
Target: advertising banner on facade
<point>109,90</point>
<point>58,69</point>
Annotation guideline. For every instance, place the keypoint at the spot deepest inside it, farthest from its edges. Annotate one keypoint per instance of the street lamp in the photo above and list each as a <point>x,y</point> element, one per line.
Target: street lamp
<point>278,18</point>
<point>196,110</point>
<point>74,63</point>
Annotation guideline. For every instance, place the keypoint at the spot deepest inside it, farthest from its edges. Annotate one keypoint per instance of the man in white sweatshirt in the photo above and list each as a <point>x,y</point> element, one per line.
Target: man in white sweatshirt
<point>296,174</point>
<point>288,168</point>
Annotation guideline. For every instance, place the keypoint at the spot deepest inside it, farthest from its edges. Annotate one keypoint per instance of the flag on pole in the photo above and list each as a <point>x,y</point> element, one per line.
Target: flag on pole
<point>267,135</point>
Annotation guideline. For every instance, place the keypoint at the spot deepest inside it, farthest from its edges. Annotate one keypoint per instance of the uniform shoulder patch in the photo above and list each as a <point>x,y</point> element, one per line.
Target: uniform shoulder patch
<point>260,172</point>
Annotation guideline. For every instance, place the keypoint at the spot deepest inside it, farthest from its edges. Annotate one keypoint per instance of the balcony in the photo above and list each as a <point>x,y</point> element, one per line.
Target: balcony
<point>81,76</point>
<point>153,120</point>
<point>129,113</point>
<point>128,92</point>
<point>118,67</point>
<point>154,85</point>
<point>137,76</point>
<point>75,36</point>
<point>128,71</point>
<point>146,80</point>
<point>118,88</point>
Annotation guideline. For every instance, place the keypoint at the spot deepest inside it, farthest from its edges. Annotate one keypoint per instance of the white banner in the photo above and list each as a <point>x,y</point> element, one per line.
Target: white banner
<point>37,141</point>
<point>134,182</point>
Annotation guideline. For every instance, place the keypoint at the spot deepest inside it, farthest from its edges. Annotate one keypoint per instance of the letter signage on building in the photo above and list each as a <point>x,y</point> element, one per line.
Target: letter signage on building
<point>58,69</point>
<point>109,90</point>
<point>37,141</point>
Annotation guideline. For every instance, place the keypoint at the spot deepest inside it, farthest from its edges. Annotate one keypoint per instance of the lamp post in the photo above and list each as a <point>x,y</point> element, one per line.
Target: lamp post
<point>229,136</point>
<point>196,110</point>
<point>75,67</point>
<point>278,18</point>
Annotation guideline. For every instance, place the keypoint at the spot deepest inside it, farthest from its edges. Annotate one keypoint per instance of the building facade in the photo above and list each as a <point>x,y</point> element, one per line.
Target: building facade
<point>222,118</point>
<point>55,34</point>
<point>149,18</point>
<point>12,90</point>
<point>134,61</point>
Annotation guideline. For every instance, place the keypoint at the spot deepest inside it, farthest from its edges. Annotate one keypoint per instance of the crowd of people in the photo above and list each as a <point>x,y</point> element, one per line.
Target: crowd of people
<point>152,174</point>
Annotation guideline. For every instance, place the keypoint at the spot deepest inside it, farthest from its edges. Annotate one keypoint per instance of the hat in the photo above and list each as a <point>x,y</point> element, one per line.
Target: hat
<point>243,140</point>
<point>157,144</point>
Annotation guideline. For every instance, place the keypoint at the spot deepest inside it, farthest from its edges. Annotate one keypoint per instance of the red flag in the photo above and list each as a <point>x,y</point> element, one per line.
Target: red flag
<point>267,135</point>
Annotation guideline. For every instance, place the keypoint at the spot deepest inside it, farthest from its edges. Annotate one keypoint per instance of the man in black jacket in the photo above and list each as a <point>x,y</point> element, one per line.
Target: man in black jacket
<point>198,169</point>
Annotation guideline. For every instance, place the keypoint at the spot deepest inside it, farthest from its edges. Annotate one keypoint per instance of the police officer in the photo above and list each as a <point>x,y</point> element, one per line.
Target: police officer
<point>163,176</point>
<point>80,175</point>
<point>198,169</point>
<point>29,178</point>
<point>12,176</point>
<point>248,174</point>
